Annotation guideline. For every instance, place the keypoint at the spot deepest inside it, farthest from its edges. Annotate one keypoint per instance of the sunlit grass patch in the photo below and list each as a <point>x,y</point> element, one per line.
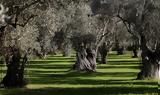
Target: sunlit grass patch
<point>52,76</point>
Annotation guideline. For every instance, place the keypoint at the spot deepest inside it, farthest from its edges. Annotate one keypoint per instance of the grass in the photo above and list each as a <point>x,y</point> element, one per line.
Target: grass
<point>51,76</point>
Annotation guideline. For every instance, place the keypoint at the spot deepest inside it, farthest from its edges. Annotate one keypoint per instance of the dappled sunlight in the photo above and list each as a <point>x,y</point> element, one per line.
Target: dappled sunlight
<point>116,77</point>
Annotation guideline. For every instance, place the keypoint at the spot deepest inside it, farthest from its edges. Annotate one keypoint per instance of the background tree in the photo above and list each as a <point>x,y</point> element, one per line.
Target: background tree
<point>64,17</point>
<point>101,28</point>
<point>105,38</point>
<point>62,40</point>
<point>134,46</point>
<point>46,29</point>
<point>83,38</point>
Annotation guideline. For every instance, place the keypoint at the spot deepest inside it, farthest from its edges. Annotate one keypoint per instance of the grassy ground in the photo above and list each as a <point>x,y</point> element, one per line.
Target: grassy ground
<point>52,77</point>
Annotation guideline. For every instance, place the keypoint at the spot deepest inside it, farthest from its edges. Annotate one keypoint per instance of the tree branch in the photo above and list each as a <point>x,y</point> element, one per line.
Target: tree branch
<point>27,20</point>
<point>29,5</point>
<point>20,10</point>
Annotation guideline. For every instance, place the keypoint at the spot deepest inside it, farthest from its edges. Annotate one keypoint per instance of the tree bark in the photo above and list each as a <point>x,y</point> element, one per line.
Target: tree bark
<point>150,62</point>
<point>134,51</point>
<point>15,71</point>
<point>150,66</point>
<point>103,52</point>
<point>104,59</point>
<point>86,61</point>
<point>91,57</point>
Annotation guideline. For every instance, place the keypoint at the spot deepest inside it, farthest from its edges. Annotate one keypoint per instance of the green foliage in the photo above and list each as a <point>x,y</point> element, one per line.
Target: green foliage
<point>82,39</point>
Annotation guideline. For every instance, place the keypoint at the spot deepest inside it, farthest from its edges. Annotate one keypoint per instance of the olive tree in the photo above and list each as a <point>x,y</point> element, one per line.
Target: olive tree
<point>46,28</point>
<point>96,31</point>
<point>145,27</point>
<point>15,16</point>
<point>105,28</point>
<point>82,38</point>
<point>64,17</point>
<point>141,19</point>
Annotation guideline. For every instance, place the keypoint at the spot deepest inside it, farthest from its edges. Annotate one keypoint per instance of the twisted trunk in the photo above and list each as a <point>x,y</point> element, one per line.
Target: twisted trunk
<point>150,62</point>
<point>15,71</point>
<point>86,61</point>
<point>150,66</point>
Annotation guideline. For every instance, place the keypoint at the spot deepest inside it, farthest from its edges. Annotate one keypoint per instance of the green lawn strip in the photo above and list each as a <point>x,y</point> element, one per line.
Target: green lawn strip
<point>52,76</point>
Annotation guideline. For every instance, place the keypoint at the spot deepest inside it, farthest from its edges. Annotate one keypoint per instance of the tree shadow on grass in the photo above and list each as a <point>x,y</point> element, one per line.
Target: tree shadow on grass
<point>47,66</point>
<point>96,74</point>
<point>80,81</point>
<point>85,91</point>
<point>60,58</point>
<point>118,67</point>
<point>123,62</point>
<point>65,78</point>
<point>51,61</point>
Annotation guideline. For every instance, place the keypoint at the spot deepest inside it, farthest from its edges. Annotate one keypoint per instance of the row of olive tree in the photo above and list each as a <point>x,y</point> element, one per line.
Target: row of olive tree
<point>91,27</point>
<point>87,31</point>
<point>141,19</point>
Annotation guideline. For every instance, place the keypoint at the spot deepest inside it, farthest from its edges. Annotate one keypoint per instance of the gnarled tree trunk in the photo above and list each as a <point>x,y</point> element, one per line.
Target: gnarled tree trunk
<point>150,62</point>
<point>86,61</point>
<point>91,57</point>
<point>15,70</point>
<point>150,66</point>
